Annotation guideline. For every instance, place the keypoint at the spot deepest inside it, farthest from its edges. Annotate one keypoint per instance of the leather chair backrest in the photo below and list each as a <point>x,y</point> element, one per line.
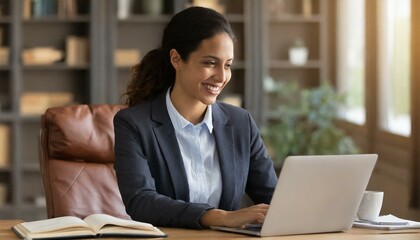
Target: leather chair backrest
<point>76,148</point>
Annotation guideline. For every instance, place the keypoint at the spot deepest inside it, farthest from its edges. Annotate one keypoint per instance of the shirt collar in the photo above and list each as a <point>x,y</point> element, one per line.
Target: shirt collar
<point>179,122</point>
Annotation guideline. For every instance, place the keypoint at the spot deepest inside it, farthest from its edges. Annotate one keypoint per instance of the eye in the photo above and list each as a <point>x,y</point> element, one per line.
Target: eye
<point>228,65</point>
<point>210,63</point>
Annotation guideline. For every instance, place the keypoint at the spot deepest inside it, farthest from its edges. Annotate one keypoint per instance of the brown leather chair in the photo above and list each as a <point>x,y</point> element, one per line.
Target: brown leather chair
<point>76,148</point>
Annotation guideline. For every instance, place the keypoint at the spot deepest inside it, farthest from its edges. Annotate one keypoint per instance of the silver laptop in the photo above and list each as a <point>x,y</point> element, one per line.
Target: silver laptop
<point>315,194</point>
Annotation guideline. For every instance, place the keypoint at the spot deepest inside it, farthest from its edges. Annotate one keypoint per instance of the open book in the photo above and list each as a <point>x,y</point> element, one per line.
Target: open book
<point>95,225</point>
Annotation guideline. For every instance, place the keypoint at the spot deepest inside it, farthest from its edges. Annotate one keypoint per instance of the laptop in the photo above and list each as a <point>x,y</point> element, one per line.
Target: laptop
<point>315,194</point>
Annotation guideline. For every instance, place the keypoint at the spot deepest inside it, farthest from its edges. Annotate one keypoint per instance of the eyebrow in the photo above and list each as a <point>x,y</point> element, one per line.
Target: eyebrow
<point>216,58</point>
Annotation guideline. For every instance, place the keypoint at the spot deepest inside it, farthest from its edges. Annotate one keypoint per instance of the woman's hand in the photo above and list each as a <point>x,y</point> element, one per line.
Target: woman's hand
<point>238,218</point>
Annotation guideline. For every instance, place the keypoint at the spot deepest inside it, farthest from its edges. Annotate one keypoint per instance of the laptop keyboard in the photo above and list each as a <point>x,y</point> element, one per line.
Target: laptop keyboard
<point>253,227</point>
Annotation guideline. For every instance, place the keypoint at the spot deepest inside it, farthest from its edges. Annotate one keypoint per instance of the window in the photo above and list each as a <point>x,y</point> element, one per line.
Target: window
<point>351,59</point>
<point>394,66</point>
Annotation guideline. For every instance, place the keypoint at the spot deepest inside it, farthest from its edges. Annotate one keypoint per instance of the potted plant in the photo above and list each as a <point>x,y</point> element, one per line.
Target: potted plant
<point>304,122</point>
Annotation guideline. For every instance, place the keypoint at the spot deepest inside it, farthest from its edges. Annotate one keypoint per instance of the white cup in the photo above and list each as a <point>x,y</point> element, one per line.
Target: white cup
<point>370,206</point>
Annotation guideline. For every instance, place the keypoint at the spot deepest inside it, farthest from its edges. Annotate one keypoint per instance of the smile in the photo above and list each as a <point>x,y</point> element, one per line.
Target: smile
<point>214,89</point>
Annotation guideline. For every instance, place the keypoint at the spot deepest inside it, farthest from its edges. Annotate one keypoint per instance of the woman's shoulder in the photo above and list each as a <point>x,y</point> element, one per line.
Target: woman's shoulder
<point>231,110</point>
<point>137,111</point>
<point>231,107</point>
<point>150,110</point>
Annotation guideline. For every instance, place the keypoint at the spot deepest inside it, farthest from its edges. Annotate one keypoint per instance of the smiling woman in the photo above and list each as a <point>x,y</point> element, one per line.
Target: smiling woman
<point>183,159</point>
<point>200,79</point>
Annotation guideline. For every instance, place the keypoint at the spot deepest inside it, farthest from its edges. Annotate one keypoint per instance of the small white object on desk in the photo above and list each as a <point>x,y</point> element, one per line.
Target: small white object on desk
<point>371,205</point>
<point>387,222</point>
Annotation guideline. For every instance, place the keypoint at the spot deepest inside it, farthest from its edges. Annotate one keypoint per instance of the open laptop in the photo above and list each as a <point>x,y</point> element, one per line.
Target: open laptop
<point>315,194</point>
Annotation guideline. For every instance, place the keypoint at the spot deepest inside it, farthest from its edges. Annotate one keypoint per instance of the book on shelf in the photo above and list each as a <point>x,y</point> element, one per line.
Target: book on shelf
<point>95,225</point>
<point>126,57</point>
<point>67,8</point>
<point>4,55</point>
<point>42,8</point>
<point>4,145</point>
<point>26,10</point>
<point>35,103</point>
<point>77,50</point>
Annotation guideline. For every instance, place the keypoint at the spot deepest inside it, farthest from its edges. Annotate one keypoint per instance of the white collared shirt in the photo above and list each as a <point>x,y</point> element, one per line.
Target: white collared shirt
<point>199,154</point>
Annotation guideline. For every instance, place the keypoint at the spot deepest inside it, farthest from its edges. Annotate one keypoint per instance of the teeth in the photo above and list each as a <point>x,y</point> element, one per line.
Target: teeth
<point>212,88</point>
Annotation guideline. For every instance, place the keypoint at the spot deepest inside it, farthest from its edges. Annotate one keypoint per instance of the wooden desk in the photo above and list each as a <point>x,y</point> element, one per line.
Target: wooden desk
<point>174,233</point>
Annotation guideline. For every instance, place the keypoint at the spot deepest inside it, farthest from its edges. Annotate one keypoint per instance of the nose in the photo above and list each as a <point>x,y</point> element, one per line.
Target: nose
<point>221,74</point>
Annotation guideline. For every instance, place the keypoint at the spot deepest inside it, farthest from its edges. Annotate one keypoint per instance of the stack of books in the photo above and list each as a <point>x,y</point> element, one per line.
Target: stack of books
<point>44,8</point>
<point>77,51</point>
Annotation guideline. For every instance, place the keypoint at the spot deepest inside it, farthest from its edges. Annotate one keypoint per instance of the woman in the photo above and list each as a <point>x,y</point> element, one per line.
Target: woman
<point>183,159</point>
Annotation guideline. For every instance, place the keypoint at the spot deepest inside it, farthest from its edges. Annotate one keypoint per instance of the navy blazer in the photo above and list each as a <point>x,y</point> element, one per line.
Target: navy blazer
<point>151,174</point>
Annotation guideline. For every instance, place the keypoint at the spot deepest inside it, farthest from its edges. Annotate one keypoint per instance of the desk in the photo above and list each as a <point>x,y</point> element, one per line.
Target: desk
<point>174,233</point>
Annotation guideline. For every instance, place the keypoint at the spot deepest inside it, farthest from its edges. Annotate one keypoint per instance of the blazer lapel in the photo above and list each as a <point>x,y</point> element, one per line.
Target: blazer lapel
<point>225,148</point>
<point>168,143</point>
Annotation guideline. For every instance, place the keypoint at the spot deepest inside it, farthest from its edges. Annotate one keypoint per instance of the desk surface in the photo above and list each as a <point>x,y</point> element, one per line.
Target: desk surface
<point>353,234</point>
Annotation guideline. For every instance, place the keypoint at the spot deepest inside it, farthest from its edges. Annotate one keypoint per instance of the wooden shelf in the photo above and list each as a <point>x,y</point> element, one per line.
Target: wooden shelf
<point>56,19</point>
<point>285,64</point>
<point>55,66</point>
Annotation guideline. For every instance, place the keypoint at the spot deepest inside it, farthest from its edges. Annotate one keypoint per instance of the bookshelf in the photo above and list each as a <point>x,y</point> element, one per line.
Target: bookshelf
<point>288,21</point>
<point>6,116</point>
<point>46,27</point>
<point>102,79</point>
<point>37,65</point>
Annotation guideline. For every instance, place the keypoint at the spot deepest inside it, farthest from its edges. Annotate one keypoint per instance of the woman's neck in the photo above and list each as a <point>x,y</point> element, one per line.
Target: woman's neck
<point>192,110</point>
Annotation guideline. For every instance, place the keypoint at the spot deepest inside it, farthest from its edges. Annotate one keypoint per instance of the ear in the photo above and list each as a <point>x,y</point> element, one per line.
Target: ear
<point>175,58</point>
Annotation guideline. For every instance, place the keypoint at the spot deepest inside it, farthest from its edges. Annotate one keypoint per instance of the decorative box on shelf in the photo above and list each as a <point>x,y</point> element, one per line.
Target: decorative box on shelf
<point>36,103</point>
<point>41,56</point>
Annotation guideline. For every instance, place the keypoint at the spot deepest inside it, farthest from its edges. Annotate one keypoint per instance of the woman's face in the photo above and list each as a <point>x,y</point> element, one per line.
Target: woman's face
<point>202,77</point>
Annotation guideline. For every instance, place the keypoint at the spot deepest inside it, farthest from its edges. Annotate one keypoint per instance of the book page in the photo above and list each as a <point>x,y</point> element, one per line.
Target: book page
<point>98,221</point>
<point>55,224</point>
